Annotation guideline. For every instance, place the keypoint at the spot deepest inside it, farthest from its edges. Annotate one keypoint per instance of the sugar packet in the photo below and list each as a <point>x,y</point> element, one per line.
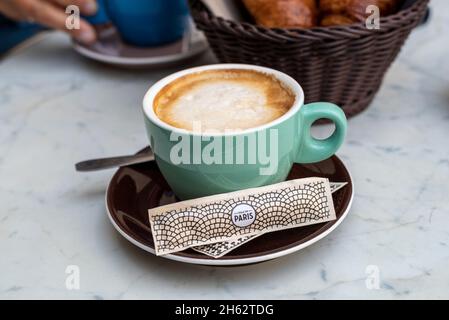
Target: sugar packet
<point>250,212</point>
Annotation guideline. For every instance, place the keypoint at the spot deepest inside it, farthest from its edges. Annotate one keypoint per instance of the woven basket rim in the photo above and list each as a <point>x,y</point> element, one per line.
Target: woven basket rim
<point>354,30</point>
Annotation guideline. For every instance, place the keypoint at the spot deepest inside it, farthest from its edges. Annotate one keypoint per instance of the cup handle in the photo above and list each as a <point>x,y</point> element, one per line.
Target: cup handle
<point>315,150</point>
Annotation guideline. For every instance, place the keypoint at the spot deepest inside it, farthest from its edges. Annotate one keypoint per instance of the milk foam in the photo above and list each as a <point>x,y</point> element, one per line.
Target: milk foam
<point>223,100</point>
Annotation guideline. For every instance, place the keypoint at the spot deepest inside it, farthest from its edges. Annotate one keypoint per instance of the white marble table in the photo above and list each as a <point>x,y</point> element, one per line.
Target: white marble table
<point>57,108</point>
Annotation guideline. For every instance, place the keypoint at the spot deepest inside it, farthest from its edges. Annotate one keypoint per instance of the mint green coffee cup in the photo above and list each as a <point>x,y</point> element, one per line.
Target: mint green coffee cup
<point>199,164</point>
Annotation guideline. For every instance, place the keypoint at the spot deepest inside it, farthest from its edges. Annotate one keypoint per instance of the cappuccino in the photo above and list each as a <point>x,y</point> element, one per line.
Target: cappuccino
<point>223,100</point>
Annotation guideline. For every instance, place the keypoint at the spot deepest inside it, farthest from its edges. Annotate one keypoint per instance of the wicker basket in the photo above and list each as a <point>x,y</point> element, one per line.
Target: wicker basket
<point>343,64</point>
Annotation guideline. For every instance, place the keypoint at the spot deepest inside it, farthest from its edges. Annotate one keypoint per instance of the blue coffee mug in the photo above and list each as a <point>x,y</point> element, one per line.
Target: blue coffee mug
<point>144,23</point>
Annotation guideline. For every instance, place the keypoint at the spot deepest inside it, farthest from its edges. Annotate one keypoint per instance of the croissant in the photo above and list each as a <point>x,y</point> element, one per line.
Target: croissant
<point>336,20</point>
<point>333,6</point>
<point>341,12</point>
<point>357,8</point>
<point>283,13</point>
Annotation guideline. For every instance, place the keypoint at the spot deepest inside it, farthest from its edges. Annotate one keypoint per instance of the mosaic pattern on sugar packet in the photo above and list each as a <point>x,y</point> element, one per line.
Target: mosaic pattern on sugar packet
<point>208,220</point>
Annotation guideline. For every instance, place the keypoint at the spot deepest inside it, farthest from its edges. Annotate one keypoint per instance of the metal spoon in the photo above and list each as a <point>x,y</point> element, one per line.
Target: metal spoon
<point>108,163</point>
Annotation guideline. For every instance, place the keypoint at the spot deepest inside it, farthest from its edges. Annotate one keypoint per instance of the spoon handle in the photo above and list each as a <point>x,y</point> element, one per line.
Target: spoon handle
<point>108,163</point>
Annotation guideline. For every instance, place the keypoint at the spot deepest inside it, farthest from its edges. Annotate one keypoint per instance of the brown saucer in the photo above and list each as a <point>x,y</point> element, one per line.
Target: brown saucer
<point>135,189</point>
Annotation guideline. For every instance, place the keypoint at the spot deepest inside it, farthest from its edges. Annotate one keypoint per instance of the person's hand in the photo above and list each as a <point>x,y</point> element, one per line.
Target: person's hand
<point>51,13</point>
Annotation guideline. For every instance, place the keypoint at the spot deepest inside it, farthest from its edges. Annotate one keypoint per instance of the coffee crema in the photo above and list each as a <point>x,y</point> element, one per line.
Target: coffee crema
<point>223,100</point>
